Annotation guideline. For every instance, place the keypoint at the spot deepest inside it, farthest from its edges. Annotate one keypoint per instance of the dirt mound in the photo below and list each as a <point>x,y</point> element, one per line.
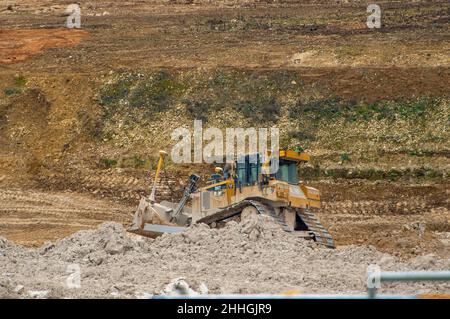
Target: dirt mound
<point>256,257</point>
<point>92,245</point>
<point>19,45</point>
<point>5,244</point>
<point>11,250</point>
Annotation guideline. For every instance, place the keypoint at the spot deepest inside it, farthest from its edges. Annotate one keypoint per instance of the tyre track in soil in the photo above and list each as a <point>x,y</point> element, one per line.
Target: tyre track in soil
<point>397,227</point>
<point>123,187</point>
<point>62,204</point>
<point>31,217</point>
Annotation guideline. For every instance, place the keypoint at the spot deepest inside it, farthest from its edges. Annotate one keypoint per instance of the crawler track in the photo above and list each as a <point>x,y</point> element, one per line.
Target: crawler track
<point>316,229</point>
<point>321,234</point>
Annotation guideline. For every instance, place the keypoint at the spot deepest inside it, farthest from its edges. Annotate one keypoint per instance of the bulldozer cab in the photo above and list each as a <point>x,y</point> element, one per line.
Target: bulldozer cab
<point>248,178</point>
<point>249,168</point>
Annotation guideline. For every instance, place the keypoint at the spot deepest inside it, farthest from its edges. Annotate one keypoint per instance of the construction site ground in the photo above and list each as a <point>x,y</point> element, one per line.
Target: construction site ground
<point>66,167</point>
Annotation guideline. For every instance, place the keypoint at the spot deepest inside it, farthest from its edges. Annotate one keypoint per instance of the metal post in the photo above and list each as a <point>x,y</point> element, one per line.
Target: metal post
<point>404,276</point>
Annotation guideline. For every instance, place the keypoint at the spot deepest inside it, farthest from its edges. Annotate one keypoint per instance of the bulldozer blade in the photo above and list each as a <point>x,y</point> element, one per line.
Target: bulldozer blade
<point>150,212</point>
<point>153,230</point>
<point>153,219</point>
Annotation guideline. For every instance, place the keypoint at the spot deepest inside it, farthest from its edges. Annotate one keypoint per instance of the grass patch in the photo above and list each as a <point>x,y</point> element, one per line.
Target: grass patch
<point>138,161</point>
<point>155,93</point>
<point>199,110</point>
<point>301,135</point>
<point>20,81</point>
<point>108,162</point>
<point>373,174</point>
<point>113,93</point>
<point>259,109</point>
<point>9,91</point>
<point>307,115</point>
<point>134,161</point>
<point>151,93</point>
<point>344,158</point>
<point>256,95</point>
<point>335,107</point>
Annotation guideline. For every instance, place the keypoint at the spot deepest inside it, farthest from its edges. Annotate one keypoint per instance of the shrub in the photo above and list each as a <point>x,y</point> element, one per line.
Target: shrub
<point>11,91</point>
<point>345,157</point>
<point>108,163</point>
<point>198,110</point>
<point>20,80</point>
<point>351,111</point>
<point>138,162</point>
<point>154,93</point>
<point>260,109</point>
<point>111,94</point>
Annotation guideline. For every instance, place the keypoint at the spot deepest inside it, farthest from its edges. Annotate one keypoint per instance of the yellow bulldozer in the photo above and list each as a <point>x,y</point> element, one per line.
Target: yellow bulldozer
<point>246,186</point>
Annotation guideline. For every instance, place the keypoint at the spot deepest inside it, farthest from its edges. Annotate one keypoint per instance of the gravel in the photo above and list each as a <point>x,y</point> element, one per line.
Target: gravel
<point>255,256</point>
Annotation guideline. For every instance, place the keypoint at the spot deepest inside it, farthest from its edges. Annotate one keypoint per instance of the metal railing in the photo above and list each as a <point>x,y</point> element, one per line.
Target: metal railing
<point>374,279</point>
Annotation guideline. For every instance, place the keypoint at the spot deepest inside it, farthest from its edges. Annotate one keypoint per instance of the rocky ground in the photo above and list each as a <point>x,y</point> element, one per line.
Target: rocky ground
<point>255,256</point>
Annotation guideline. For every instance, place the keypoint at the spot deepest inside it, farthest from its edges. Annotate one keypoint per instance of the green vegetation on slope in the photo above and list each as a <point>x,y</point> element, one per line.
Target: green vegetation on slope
<point>384,139</point>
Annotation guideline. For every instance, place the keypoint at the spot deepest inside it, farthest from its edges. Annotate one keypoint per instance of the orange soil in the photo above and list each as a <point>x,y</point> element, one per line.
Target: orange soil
<point>18,45</point>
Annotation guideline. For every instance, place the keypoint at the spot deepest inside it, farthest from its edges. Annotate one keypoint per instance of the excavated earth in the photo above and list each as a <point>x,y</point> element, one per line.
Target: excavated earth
<point>254,256</point>
<point>67,164</point>
<point>19,45</point>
